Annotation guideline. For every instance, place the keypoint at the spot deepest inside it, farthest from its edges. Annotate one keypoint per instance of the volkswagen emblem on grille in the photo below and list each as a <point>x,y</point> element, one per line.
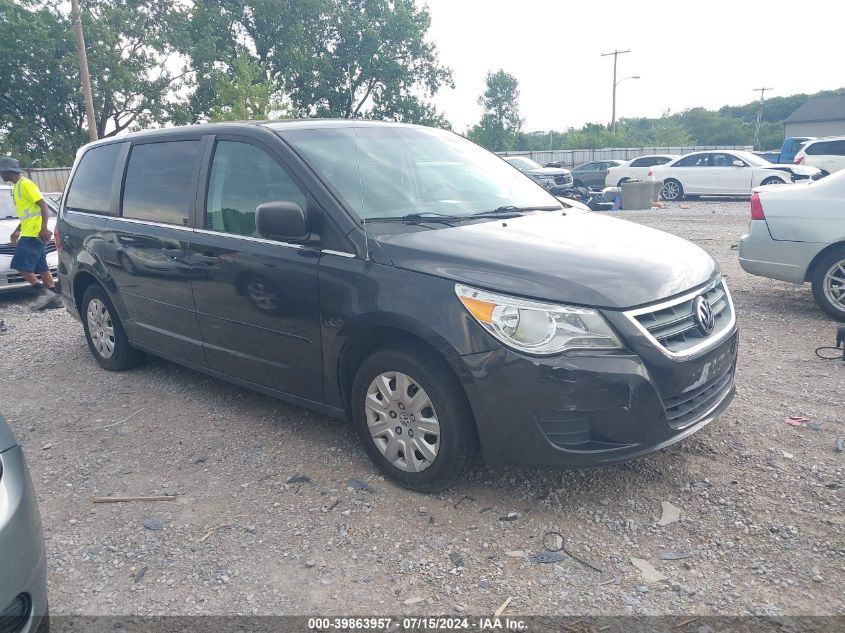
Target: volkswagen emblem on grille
<point>702,314</point>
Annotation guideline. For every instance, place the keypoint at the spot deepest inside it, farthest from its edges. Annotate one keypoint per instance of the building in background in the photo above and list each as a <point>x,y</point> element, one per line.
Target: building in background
<point>823,116</point>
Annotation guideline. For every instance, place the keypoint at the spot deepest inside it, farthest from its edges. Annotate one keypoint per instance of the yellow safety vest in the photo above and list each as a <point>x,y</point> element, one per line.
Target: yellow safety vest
<point>26,196</point>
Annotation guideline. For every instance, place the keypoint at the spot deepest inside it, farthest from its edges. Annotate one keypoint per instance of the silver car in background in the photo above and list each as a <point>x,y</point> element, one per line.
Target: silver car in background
<point>23,569</point>
<point>797,234</point>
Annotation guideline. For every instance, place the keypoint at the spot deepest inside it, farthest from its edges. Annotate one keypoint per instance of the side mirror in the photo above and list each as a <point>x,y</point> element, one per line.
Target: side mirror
<point>281,220</point>
<point>738,163</point>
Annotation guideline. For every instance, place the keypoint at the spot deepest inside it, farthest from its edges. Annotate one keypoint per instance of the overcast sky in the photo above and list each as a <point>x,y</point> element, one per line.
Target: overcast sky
<point>688,53</point>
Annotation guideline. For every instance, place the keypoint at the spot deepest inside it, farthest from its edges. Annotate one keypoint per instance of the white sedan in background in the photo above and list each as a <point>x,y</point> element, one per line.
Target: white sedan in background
<point>636,169</point>
<point>797,234</point>
<point>725,173</point>
<point>11,279</point>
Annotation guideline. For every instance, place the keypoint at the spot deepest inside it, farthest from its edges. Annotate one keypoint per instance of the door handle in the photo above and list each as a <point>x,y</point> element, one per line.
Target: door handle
<point>205,258</point>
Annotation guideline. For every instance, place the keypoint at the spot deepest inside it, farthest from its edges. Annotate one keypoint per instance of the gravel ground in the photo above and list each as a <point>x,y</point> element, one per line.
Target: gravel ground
<point>760,501</point>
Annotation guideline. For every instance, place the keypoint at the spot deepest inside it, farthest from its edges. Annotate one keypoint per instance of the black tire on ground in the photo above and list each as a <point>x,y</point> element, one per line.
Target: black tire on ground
<point>773,180</point>
<point>675,190</point>
<point>124,355</point>
<point>831,264</point>
<point>622,181</point>
<point>458,447</point>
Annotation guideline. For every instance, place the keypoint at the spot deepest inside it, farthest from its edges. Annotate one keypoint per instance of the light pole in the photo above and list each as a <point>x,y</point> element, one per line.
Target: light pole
<point>616,54</point>
<point>613,121</point>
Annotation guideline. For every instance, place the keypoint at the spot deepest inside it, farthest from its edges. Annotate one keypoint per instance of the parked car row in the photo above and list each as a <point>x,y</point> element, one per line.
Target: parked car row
<point>721,172</point>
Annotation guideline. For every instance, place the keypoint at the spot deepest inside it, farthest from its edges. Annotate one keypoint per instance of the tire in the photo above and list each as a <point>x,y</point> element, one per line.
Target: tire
<point>442,407</point>
<point>622,182</point>
<point>672,190</point>
<point>773,180</point>
<point>829,283</point>
<point>108,342</point>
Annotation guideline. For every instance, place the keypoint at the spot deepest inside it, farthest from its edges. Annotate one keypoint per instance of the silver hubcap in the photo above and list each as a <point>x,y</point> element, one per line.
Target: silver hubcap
<point>834,285</point>
<point>670,190</point>
<point>402,421</point>
<point>100,328</point>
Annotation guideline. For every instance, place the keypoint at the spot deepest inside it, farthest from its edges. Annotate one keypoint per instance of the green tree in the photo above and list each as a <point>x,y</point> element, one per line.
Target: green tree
<point>132,47</point>
<point>341,58</point>
<point>243,92</point>
<point>41,114</point>
<point>500,124</point>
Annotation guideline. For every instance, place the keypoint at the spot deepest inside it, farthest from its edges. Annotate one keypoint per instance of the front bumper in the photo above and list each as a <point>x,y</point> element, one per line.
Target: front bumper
<point>24,569</point>
<point>589,409</point>
<point>11,279</point>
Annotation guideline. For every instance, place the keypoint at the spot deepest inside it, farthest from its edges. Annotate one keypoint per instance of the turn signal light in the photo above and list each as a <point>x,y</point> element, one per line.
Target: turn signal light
<point>757,207</point>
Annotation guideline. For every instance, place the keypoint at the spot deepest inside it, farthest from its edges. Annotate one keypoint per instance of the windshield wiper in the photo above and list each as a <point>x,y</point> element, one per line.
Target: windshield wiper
<point>510,211</point>
<point>418,217</point>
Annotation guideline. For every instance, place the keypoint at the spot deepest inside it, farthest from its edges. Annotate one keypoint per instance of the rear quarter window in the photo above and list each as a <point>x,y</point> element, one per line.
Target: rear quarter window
<point>91,188</point>
<point>815,149</point>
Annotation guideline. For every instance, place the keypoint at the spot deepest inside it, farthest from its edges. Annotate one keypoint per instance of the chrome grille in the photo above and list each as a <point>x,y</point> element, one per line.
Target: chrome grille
<point>673,325</point>
<point>9,249</point>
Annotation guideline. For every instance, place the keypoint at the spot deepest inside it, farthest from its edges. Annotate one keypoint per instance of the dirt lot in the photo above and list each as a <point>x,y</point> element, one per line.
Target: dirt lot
<point>760,501</point>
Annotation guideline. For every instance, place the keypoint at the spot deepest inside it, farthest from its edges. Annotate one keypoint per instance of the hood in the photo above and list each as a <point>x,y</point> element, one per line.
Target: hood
<point>804,170</point>
<point>7,438</point>
<point>7,226</point>
<point>586,259</point>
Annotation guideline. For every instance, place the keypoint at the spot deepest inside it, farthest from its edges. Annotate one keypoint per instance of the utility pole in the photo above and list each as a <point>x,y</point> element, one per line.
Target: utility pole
<point>762,92</point>
<point>616,55</point>
<point>76,16</point>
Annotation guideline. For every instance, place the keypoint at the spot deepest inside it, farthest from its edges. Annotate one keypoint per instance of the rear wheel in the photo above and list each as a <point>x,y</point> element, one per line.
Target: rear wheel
<point>413,417</point>
<point>829,284</point>
<point>105,334</point>
<point>622,182</point>
<point>672,190</point>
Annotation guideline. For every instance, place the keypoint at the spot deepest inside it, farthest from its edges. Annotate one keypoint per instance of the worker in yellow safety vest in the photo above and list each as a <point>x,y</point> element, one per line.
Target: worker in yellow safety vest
<point>31,235</point>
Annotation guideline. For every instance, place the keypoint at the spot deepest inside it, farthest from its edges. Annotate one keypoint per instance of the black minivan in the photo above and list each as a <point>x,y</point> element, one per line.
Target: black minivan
<point>400,277</point>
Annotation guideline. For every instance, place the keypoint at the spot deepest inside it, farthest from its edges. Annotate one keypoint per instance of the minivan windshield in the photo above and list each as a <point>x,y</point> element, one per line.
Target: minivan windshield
<point>391,172</point>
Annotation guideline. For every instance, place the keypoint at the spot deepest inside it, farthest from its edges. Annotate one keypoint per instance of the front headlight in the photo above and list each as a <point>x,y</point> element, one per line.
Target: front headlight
<point>537,328</point>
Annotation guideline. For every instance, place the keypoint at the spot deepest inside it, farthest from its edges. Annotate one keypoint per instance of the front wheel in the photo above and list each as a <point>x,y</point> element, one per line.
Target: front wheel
<point>105,334</point>
<point>413,418</point>
<point>774,180</point>
<point>829,284</point>
<point>672,190</point>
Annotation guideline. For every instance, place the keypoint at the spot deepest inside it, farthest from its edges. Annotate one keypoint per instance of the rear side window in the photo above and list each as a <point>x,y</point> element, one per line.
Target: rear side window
<point>160,182</point>
<point>243,177</point>
<point>815,149</point>
<point>91,187</point>
<point>695,160</point>
<point>836,148</point>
